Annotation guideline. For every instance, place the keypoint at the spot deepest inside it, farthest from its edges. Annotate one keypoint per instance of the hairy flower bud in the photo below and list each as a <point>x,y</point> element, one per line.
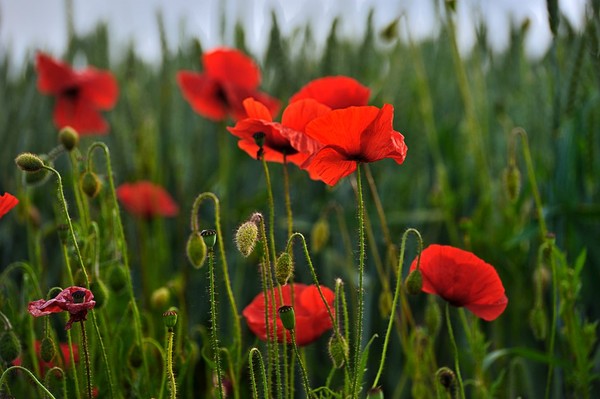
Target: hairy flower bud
<point>284,268</point>
<point>512,182</point>
<point>47,350</point>
<point>196,250</point>
<point>29,162</point>
<point>135,356</point>
<point>538,323</point>
<point>90,184</point>
<point>447,379</point>
<point>68,137</point>
<point>319,235</point>
<point>246,237</point>
<point>414,282</point>
<point>338,350</point>
<point>287,316</point>
<point>100,291</point>
<point>40,177</point>
<point>385,303</point>
<point>433,316</point>
<point>117,277</point>
<point>160,298</point>
<point>10,347</point>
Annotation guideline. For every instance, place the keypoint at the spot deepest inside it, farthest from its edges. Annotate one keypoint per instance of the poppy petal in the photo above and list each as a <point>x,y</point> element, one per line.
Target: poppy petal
<point>7,202</point>
<point>146,199</point>
<point>204,94</point>
<point>329,165</point>
<point>376,140</point>
<point>256,109</point>
<point>79,114</point>
<point>99,87</point>
<point>295,118</point>
<point>53,76</point>
<point>231,66</point>
<point>335,91</point>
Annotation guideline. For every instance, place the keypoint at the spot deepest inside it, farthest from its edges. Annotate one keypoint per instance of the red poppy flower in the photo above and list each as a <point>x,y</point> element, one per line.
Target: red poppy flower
<point>312,319</point>
<point>229,78</point>
<point>352,135</point>
<point>7,202</point>
<point>282,138</point>
<point>146,199</point>
<point>462,279</point>
<point>79,95</point>
<point>44,366</point>
<point>75,300</point>
<point>335,91</point>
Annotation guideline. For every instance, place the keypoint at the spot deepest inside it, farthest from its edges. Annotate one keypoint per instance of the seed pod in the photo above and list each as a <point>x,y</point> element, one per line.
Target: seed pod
<point>375,393</point>
<point>210,238</point>
<point>170,318</point>
<point>117,277</point>
<point>447,379</point>
<point>288,317</point>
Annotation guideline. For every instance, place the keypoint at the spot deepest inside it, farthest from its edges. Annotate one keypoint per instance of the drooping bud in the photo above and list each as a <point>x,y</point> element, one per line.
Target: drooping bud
<point>63,233</point>
<point>68,137</point>
<point>319,235</point>
<point>90,184</point>
<point>10,347</point>
<point>433,316</point>
<point>385,303</point>
<point>196,250</point>
<point>170,318</point>
<point>338,350</point>
<point>246,237</point>
<point>47,349</point>
<point>210,238</point>
<point>538,323</point>
<point>37,178</point>
<point>375,393</point>
<point>100,291</point>
<point>414,282</point>
<point>29,162</point>
<point>117,277</point>
<point>287,316</point>
<point>135,357</point>
<point>160,298</point>
<point>511,178</point>
<point>447,379</point>
<point>284,268</point>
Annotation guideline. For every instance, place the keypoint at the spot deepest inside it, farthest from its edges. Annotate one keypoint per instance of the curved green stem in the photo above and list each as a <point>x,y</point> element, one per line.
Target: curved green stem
<point>461,386</point>
<point>30,374</point>
<point>251,355</point>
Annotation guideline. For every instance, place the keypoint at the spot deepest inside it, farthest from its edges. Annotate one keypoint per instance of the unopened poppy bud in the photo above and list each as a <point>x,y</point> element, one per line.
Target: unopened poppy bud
<point>210,238</point>
<point>135,357</point>
<point>160,298</point>
<point>512,182</point>
<point>447,379</point>
<point>414,282</point>
<point>29,162</point>
<point>90,184</point>
<point>47,349</point>
<point>375,393</point>
<point>284,268</point>
<point>170,318</point>
<point>385,303</point>
<point>338,350</point>
<point>63,233</point>
<point>433,316</point>
<point>246,237</point>
<point>538,323</point>
<point>542,277</point>
<point>101,293</point>
<point>117,277</point>
<point>287,316</point>
<point>319,235</point>
<point>68,137</point>
<point>196,250</point>
<point>10,347</point>
<point>39,177</point>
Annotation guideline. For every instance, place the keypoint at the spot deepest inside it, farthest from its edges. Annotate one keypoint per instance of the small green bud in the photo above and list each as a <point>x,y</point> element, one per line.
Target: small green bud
<point>246,237</point>
<point>47,350</point>
<point>284,268</point>
<point>338,350</point>
<point>29,162</point>
<point>90,184</point>
<point>375,393</point>
<point>385,303</point>
<point>170,318</point>
<point>511,178</point>
<point>210,238</point>
<point>433,316</point>
<point>287,316</point>
<point>10,347</point>
<point>63,233</point>
<point>135,357</point>
<point>160,298</point>
<point>319,235</point>
<point>117,277</point>
<point>196,250</point>
<point>39,177</point>
<point>100,291</point>
<point>538,323</point>
<point>447,379</point>
<point>68,137</point>
<point>414,282</point>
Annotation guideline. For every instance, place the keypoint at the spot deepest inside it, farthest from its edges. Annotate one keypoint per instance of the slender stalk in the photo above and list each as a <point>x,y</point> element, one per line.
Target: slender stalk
<point>255,352</point>
<point>461,386</point>
<point>86,355</point>
<point>213,321</point>
<point>30,374</point>
<point>169,356</point>
<point>302,368</point>
<point>550,245</point>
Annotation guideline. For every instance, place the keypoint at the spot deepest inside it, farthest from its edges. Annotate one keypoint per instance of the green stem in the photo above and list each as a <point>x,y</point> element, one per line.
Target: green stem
<point>86,355</point>
<point>549,243</point>
<point>213,321</point>
<point>169,356</point>
<point>255,352</point>
<point>302,368</point>
<point>288,201</point>
<point>30,374</point>
<point>455,348</point>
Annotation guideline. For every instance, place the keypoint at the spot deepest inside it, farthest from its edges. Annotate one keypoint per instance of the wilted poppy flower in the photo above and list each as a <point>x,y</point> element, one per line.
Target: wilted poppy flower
<point>44,366</point>
<point>146,199</point>
<point>352,135</point>
<point>80,95</point>
<point>7,202</point>
<point>75,300</point>
<point>335,91</point>
<point>285,138</point>
<point>462,279</point>
<point>229,77</point>
<point>312,319</point>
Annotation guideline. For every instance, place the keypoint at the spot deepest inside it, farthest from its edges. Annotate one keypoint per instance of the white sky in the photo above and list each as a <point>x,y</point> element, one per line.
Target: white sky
<point>26,25</point>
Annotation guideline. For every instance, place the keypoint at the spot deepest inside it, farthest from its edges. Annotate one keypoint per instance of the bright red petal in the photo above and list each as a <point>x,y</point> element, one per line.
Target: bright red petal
<point>53,76</point>
<point>7,202</point>
<point>380,140</point>
<point>99,88</point>
<point>204,94</point>
<point>233,67</point>
<point>329,165</point>
<point>257,110</point>
<point>146,199</point>
<point>80,114</point>
<point>295,118</point>
<point>335,91</point>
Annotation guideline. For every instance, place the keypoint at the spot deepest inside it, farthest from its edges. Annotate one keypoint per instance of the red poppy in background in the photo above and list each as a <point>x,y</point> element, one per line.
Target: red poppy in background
<point>44,366</point>
<point>146,199</point>
<point>335,91</point>
<point>75,300</point>
<point>352,135</point>
<point>462,279</point>
<point>7,202</point>
<point>312,319</point>
<point>285,138</point>
<point>80,95</point>
<point>229,78</point>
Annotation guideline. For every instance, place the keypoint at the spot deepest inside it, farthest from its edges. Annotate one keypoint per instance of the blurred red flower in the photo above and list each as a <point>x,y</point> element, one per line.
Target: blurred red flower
<point>146,199</point>
<point>229,77</point>
<point>335,91</point>
<point>79,95</point>
<point>352,135</point>
<point>44,366</point>
<point>312,319</point>
<point>7,202</point>
<point>75,300</point>
<point>462,279</point>
<point>282,138</point>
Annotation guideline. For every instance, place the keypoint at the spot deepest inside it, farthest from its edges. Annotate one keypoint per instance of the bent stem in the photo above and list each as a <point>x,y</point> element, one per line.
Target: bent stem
<point>30,374</point>
<point>255,352</point>
<point>453,342</point>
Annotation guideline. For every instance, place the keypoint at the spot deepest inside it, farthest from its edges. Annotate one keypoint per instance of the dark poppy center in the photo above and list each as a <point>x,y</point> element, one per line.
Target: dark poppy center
<point>71,92</point>
<point>78,296</point>
<point>222,96</point>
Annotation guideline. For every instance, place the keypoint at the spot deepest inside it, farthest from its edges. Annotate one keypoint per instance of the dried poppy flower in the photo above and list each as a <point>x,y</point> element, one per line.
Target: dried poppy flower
<point>146,199</point>
<point>285,138</point>
<point>44,366</point>
<point>229,77</point>
<point>312,319</point>
<point>335,91</point>
<point>462,279</point>
<point>352,135</point>
<point>80,95</point>
<point>7,202</point>
<point>75,300</point>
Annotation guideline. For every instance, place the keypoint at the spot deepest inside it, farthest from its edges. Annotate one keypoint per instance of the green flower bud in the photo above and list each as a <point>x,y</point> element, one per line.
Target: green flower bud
<point>375,393</point>
<point>101,293</point>
<point>511,178</point>
<point>10,347</point>
<point>68,137</point>
<point>117,277</point>
<point>47,350</point>
<point>414,282</point>
<point>447,379</point>
<point>196,250</point>
<point>284,268</point>
<point>135,357</point>
<point>433,316</point>
<point>63,233</point>
<point>287,316</point>
<point>319,235</point>
<point>385,303</point>
<point>29,162</point>
<point>246,237</point>
<point>210,238</point>
<point>170,318</point>
<point>90,184</point>
<point>538,323</point>
<point>39,177</point>
<point>160,298</point>
<point>338,350</point>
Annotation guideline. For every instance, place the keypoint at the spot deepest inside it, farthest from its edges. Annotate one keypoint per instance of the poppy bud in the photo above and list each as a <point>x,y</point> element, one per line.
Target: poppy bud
<point>284,268</point>
<point>414,282</point>
<point>375,393</point>
<point>117,277</point>
<point>196,250</point>
<point>512,182</point>
<point>542,277</point>
<point>68,137</point>
<point>538,323</point>
<point>135,357</point>
<point>39,177</point>
<point>63,233</point>
<point>210,238</point>
<point>447,379</point>
<point>338,350</point>
<point>433,316</point>
<point>47,350</point>
<point>170,319</point>
<point>246,237</point>
<point>385,303</point>
<point>100,291</point>
<point>160,298</point>
<point>29,162</point>
<point>90,184</point>
<point>10,347</point>
<point>287,316</point>
<point>319,234</point>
